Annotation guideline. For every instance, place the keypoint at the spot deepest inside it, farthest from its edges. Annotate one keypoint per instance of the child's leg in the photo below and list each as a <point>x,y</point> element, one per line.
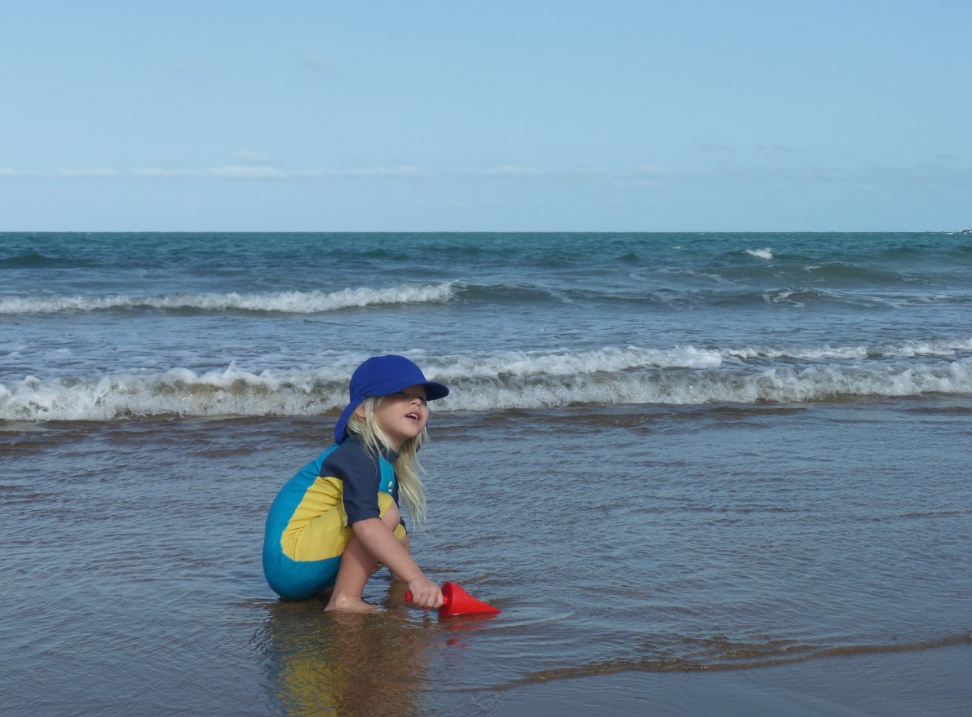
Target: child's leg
<point>357,565</point>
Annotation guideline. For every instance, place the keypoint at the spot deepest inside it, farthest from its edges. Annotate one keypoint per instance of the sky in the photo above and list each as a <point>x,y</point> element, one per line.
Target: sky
<point>499,115</point>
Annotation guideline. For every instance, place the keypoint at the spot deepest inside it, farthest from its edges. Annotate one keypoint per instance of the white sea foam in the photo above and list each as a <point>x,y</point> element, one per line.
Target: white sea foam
<point>766,253</point>
<point>295,302</point>
<point>907,349</point>
<point>505,382</point>
<point>609,359</point>
<point>176,392</point>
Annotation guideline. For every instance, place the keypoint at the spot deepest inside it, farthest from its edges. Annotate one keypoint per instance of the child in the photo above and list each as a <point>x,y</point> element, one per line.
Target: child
<point>338,517</point>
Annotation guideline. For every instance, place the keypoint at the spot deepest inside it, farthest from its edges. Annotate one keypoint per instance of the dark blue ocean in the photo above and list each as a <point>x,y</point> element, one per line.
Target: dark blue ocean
<point>686,466</point>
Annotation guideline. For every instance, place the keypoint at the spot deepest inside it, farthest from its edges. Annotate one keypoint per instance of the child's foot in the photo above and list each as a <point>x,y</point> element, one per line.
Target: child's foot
<point>351,604</point>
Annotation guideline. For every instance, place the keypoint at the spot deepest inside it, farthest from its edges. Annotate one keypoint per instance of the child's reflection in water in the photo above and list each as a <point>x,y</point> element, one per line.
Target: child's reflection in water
<point>341,663</point>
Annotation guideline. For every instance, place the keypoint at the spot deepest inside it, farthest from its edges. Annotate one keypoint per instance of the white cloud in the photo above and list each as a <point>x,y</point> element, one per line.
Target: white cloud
<point>156,173</point>
<point>229,172</point>
<point>653,171</point>
<point>247,173</point>
<point>515,172</point>
<point>400,171</point>
<point>98,173</point>
<point>775,147</point>
<point>509,170</point>
<point>265,172</point>
<point>317,62</point>
<point>728,174</point>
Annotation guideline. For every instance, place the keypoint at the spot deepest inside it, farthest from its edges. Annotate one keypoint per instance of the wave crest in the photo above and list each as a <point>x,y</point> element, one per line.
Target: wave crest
<point>611,376</point>
<point>293,302</point>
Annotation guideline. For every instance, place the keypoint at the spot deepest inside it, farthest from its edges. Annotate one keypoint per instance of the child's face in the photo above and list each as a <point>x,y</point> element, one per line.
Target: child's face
<point>403,415</point>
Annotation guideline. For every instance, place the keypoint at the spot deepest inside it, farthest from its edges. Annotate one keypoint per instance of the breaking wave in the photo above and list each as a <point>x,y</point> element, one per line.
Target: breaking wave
<point>293,302</point>
<point>521,380</point>
<point>766,254</point>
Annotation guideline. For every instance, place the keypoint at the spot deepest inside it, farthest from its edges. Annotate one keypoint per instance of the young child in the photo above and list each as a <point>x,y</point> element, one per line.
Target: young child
<point>338,517</point>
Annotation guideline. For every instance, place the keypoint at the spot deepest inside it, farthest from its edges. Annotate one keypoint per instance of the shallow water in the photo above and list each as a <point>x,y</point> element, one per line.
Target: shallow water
<point>704,473</point>
<point>626,538</point>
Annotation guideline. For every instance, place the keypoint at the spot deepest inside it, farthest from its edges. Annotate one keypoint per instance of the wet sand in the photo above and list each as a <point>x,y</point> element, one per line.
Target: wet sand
<point>931,682</point>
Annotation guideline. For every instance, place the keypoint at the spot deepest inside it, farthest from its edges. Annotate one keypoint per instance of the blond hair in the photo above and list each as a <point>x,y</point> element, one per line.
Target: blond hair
<point>407,466</point>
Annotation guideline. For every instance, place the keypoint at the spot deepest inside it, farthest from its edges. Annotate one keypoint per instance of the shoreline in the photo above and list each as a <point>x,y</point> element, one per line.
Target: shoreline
<point>932,681</point>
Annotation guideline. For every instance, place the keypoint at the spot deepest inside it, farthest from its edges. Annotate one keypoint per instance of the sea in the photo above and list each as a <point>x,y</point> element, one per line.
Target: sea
<point>707,473</point>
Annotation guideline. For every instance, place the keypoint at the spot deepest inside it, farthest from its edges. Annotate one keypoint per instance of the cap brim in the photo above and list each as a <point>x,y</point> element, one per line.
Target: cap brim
<point>435,390</point>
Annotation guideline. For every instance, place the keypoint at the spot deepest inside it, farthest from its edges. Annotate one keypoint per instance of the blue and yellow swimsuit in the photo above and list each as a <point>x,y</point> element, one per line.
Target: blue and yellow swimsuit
<point>309,524</point>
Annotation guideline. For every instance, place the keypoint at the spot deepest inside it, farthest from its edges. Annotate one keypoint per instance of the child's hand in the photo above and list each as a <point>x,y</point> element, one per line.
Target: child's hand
<point>425,593</point>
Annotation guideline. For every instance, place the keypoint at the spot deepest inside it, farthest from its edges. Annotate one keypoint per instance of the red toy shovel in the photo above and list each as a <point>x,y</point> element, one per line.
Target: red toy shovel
<point>457,601</point>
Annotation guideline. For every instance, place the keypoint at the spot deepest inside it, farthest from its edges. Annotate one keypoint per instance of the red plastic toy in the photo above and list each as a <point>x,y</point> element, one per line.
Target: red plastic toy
<point>457,601</point>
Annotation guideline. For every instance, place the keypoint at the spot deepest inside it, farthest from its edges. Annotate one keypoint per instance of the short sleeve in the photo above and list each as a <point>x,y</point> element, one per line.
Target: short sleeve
<point>361,476</point>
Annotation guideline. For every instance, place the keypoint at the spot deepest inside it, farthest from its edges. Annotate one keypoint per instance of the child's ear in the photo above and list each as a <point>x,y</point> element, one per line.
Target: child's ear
<point>360,412</point>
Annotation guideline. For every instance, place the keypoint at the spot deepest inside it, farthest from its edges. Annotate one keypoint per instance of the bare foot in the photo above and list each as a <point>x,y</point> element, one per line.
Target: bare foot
<point>351,604</point>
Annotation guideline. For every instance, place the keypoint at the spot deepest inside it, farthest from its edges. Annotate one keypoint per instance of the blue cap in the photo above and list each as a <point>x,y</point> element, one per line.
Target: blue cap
<point>383,376</point>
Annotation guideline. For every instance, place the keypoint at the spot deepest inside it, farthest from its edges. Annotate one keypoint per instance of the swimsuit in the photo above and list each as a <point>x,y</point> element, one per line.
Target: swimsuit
<point>309,524</point>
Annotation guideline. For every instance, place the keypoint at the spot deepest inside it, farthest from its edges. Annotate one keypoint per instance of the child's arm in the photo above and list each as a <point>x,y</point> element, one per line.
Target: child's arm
<point>381,542</point>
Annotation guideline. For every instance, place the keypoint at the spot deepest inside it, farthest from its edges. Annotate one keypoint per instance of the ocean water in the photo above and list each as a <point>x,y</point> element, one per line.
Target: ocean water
<point>685,466</point>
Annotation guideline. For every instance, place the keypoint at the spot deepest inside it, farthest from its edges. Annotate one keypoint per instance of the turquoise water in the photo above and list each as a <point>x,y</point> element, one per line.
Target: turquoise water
<point>664,455</point>
<point>112,326</point>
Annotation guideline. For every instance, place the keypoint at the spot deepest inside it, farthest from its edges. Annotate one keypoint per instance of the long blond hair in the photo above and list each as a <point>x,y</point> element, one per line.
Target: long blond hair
<point>407,466</point>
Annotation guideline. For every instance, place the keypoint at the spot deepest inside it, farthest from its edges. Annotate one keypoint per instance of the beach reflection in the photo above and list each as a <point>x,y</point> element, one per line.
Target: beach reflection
<point>346,664</point>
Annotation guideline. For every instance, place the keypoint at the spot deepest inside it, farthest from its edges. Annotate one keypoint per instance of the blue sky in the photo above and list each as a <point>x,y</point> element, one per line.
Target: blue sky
<point>303,115</point>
